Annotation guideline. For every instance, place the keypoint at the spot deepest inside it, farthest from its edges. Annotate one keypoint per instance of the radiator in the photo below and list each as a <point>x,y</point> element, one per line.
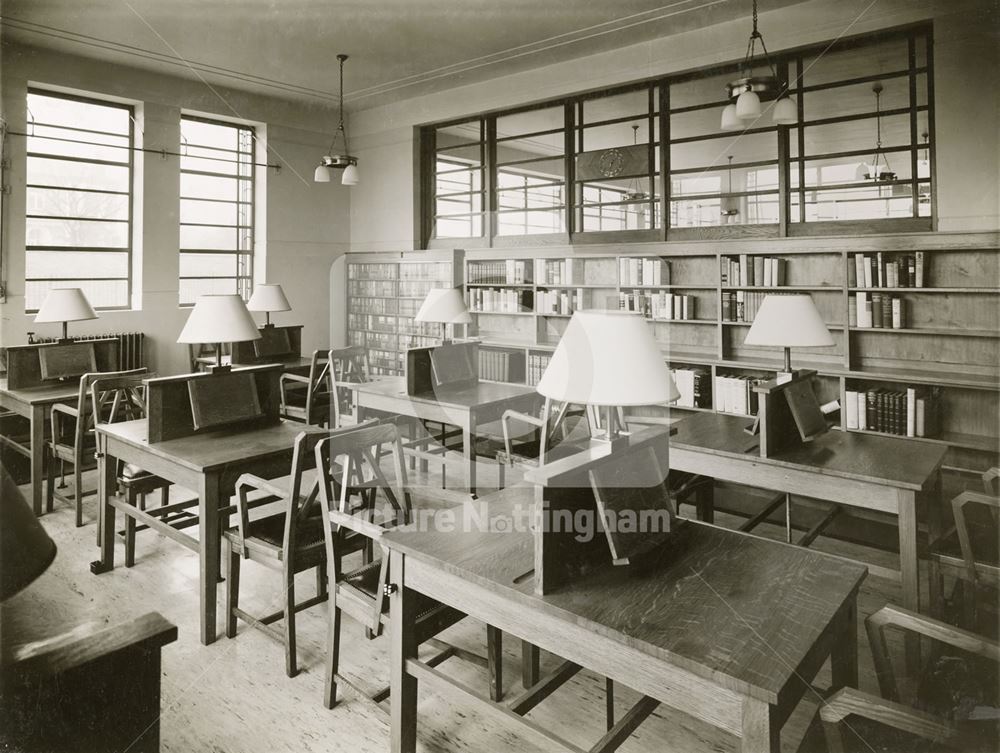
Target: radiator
<point>131,346</point>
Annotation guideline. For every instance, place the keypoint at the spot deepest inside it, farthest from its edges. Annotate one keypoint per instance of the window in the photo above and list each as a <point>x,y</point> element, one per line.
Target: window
<point>217,208</point>
<point>613,161</point>
<point>78,220</point>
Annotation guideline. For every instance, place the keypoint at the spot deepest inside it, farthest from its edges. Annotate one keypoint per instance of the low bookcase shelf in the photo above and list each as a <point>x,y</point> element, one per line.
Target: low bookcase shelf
<point>949,340</point>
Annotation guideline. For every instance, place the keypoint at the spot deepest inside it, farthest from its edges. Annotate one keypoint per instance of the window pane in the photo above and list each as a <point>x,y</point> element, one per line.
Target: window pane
<point>69,264</point>
<point>73,143</point>
<point>49,171</point>
<point>209,212</point>
<point>222,136</point>
<point>616,106</point>
<point>700,91</point>
<point>209,187</point>
<point>100,293</point>
<point>62,203</point>
<point>52,109</point>
<point>855,99</point>
<point>222,238</point>
<point>861,203</point>
<point>467,227</point>
<point>857,134</point>
<point>883,56</point>
<point>751,147</point>
<point>191,289</point>
<point>44,232</point>
<point>209,265</point>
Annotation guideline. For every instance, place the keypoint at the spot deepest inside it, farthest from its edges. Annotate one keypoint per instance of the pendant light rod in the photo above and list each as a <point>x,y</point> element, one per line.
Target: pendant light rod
<point>751,47</point>
<point>341,160</point>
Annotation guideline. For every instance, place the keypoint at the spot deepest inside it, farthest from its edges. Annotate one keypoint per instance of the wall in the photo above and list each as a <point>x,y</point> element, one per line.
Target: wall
<point>967,122</point>
<point>306,224</point>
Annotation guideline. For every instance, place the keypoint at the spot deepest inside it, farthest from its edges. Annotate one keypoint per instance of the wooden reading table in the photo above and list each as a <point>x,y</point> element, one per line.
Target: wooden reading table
<point>722,626</point>
<point>859,471</point>
<point>464,407</point>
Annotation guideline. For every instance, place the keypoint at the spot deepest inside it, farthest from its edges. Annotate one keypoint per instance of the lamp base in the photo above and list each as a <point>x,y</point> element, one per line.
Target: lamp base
<point>617,442</point>
<point>219,369</point>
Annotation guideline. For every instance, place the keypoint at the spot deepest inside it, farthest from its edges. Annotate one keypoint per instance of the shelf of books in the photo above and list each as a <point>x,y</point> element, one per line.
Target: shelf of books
<point>915,320</point>
<point>384,292</point>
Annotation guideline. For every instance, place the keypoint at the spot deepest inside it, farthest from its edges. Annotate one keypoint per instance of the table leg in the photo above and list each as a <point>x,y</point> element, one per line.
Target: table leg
<point>935,529</point>
<point>403,696</point>
<point>469,449</point>
<point>529,664</point>
<point>209,551</point>
<point>37,428</point>
<point>909,569</point>
<point>494,656</point>
<point>844,655</point>
<point>106,485</point>
<point>704,500</point>
<point>759,733</point>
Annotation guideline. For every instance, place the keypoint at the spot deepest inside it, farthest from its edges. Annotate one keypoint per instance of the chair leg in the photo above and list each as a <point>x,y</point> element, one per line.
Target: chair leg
<point>130,497</point>
<point>494,656</point>
<point>232,587</point>
<point>291,669</point>
<point>321,580</point>
<point>50,463</point>
<point>78,492</point>
<point>501,475</point>
<point>332,647</point>
<point>609,701</point>
<point>164,495</point>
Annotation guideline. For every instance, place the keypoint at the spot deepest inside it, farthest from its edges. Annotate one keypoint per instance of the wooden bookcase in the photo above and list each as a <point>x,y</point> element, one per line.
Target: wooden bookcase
<point>384,292</point>
<point>951,340</point>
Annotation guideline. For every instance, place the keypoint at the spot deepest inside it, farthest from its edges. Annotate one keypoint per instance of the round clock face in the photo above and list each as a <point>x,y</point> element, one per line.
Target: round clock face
<point>612,163</point>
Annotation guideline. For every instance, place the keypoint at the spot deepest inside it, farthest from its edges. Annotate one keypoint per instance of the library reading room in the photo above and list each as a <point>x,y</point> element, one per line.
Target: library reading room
<point>448,376</point>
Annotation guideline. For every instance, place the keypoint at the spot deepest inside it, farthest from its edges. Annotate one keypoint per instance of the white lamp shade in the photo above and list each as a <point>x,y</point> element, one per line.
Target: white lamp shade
<point>350,176</point>
<point>785,112</point>
<point>730,120</point>
<point>65,305</point>
<point>789,321</point>
<point>608,358</point>
<point>268,298</point>
<point>321,174</point>
<point>444,306</point>
<point>748,105</point>
<point>862,172</point>
<point>219,319</point>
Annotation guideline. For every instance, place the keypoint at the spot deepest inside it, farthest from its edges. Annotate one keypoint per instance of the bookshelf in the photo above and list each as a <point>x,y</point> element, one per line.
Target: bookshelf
<point>948,340</point>
<point>384,292</point>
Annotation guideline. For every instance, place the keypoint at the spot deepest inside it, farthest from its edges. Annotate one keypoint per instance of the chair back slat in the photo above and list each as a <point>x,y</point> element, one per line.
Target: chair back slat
<point>347,366</point>
<point>89,412</point>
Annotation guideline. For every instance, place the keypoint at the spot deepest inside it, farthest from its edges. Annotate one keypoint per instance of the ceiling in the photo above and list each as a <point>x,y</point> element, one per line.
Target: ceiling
<point>398,48</point>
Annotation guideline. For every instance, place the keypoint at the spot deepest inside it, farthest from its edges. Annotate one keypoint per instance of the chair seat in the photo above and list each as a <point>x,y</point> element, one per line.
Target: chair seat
<point>366,580</point>
<point>269,531</point>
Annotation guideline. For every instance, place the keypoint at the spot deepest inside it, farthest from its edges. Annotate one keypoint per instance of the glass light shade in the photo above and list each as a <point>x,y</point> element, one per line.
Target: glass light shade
<point>863,172</point>
<point>608,358</point>
<point>443,306</point>
<point>65,305</point>
<point>268,298</point>
<point>219,319</point>
<point>321,174</point>
<point>748,105</point>
<point>730,121</point>
<point>789,321</point>
<point>350,176</point>
<point>785,112</point>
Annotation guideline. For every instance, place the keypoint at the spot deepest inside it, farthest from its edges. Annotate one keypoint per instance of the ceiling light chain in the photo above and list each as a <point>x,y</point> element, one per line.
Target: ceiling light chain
<point>344,161</point>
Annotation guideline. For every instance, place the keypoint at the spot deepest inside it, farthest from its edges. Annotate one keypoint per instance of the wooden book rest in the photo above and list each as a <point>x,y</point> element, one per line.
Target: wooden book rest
<point>275,344</point>
<point>788,413</point>
<point>24,362</point>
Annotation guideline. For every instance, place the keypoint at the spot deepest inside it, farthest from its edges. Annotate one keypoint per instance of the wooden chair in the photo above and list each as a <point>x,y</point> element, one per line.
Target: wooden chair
<point>290,541</point>
<point>969,552</point>
<point>122,398</point>
<point>955,702</point>
<point>347,366</point>
<point>72,441</point>
<point>548,440</point>
<point>361,591</point>
<point>308,398</point>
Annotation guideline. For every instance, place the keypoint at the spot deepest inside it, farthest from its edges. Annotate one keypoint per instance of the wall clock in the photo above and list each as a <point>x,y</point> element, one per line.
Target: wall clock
<point>612,163</point>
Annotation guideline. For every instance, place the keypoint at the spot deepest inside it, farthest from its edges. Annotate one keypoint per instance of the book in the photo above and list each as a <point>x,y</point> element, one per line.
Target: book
<point>897,314</point>
<point>876,315</point>
<point>911,411</point>
<point>886,312</point>
<point>862,410</point>
<point>918,271</point>
<point>867,273</point>
<point>880,270</point>
<point>758,271</point>
<point>852,311</point>
<point>851,409</point>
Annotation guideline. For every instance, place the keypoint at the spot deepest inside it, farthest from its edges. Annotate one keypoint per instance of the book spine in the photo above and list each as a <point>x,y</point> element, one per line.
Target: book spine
<point>851,409</point>
<point>859,271</point>
<point>880,270</point>
<point>867,271</point>
<point>862,410</point>
<point>886,312</point>
<point>897,313</point>
<point>918,274</point>
<point>871,410</point>
<point>876,310</point>
<point>911,412</point>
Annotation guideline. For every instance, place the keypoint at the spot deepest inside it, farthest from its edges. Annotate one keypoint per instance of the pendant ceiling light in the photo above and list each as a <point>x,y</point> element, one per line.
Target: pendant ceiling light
<point>343,161</point>
<point>747,92</point>
<point>876,171</point>
<point>729,205</point>
<point>636,191</point>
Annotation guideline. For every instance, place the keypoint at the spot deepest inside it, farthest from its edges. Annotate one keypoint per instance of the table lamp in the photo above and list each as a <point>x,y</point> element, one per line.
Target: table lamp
<point>268,298</point>
<point>219,319</point>
<point>65,305</point>
<point>609,359</point>
<point>26,550</point>
<point>444,306</point>
<point>788,321</point>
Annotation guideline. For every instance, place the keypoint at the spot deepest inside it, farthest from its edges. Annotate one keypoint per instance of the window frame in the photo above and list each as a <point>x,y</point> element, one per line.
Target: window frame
<point>924,188</point>
<point>129,248</point>
<point>244,289</point>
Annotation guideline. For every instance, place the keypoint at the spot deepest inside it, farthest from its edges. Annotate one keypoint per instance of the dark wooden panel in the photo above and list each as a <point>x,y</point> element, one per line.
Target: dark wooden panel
<point>24,367</point>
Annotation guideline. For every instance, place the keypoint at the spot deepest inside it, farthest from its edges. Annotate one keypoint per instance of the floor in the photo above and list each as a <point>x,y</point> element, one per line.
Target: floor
<point>234,696</point>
